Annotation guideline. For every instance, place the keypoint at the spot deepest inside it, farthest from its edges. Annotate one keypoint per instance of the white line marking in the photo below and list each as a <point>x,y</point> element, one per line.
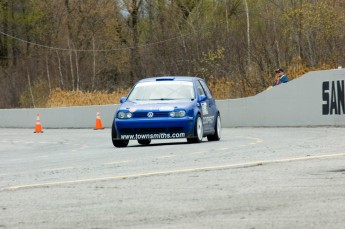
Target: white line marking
<point>257,140</point>
<point>169,172</point>
<point>43,142</point>
<point>14,160</point>
<point>168,156</point>
<point>116,162</point>
<point>80,147</point>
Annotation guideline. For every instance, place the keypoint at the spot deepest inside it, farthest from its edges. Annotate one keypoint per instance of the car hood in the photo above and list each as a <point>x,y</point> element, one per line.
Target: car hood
<point>167,105</point>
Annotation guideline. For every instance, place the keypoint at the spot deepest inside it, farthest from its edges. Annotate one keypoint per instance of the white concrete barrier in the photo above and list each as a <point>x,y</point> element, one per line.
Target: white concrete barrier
<point>315,99</point>
<point>65,117</point>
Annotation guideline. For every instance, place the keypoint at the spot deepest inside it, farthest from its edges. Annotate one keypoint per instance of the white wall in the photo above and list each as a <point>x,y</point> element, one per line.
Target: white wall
<point>66,117</point>
<point>296,103</point>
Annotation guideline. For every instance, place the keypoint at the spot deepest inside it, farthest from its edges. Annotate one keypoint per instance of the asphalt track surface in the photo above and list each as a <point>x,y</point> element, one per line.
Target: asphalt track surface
<point>252,178</point>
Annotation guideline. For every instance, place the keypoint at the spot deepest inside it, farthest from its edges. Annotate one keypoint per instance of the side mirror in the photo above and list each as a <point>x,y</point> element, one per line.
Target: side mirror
<point>202,98</point>
<point>123,99</point>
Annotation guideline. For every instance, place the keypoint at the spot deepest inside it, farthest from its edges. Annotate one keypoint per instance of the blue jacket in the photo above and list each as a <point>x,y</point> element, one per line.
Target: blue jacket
<point>283,79</point>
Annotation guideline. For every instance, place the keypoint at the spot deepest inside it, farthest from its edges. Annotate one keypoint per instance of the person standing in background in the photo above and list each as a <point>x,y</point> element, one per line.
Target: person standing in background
<point>281,77</point>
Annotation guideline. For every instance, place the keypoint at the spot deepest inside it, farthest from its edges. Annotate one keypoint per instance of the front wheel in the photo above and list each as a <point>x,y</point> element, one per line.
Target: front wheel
<point>217,131</point>
<point>117,143</point>
<point>198,131</point>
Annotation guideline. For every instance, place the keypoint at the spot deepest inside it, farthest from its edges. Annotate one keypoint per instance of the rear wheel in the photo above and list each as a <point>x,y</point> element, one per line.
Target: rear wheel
<point>117,143</point>
<point>144,141</point>
<point>217,130</point>
<point>198,131</point>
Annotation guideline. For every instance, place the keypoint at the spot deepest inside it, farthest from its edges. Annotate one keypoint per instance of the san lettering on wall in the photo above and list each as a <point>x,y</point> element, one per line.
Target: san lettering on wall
<point>333,96</point>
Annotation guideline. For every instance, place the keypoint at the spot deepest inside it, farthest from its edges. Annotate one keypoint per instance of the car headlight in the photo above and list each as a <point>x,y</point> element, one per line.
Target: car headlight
<point>124,115</point>
<point>177,114</point>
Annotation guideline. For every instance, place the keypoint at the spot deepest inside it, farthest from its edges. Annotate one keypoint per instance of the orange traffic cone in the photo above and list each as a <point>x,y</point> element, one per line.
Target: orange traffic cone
<point>38,127</point>
<point>98,125</point>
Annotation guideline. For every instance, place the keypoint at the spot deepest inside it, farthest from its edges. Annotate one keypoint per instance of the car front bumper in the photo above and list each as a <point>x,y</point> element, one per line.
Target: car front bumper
<point>155,128</point>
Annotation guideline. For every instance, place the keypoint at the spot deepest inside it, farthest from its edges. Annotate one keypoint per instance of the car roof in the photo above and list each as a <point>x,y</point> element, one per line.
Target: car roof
<point>171,78</point>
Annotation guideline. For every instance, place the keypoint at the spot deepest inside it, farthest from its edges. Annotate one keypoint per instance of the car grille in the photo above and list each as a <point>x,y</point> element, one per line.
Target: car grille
<point>156,114</point>
<point>126,130</point>
<point>150,130</point>
<point>176,129</point>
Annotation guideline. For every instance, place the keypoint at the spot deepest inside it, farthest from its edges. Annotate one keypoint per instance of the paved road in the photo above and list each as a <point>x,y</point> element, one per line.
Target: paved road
<point>252,178</point>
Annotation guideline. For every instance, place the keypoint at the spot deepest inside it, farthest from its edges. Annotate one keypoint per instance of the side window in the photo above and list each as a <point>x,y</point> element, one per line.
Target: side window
<point>199,88</point>
<point>207,90</point>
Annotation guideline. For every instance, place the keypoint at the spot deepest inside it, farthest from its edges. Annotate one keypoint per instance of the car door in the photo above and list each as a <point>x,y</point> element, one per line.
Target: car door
<point>210,118</point>
<point>204,105</point>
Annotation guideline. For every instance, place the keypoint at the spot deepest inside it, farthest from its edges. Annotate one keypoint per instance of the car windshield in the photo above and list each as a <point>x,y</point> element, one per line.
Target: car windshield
<point>162,90</point>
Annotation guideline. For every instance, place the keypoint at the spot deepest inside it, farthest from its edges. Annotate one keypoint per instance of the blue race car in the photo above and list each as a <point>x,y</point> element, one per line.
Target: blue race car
<point>165,108</point>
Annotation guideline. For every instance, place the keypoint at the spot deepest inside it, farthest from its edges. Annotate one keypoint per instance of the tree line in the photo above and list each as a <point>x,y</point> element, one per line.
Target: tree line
<point>106,45</point>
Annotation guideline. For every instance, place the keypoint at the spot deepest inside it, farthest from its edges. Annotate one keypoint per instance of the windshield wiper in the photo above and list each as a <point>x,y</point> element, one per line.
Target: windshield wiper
<point>140,99</point>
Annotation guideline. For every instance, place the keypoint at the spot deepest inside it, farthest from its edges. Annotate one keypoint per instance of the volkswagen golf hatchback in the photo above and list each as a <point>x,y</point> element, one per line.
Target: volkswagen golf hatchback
<point>166,108</point>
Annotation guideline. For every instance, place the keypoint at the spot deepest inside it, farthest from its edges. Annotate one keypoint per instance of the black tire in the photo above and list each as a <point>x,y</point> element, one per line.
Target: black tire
<point>198,131</point>
<point>217,130</point>
<point>117,143</point>
<point>144,141</point>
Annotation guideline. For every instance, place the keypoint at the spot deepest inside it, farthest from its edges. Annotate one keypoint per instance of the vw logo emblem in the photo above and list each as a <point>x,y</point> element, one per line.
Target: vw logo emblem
<point>150,114</point>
